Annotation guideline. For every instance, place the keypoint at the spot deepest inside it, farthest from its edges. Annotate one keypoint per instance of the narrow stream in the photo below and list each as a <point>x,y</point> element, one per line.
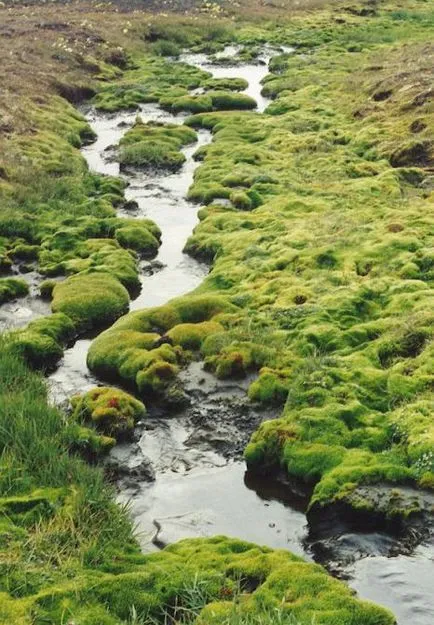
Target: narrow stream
<point>201,487</point>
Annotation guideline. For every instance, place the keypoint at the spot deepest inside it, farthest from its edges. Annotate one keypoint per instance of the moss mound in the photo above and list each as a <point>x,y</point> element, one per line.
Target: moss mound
<point>138,239</point>
<point>222,571</point>
<point>110,410</point>
<point>144,348</point>
<point>154,145</point>
<point>209,101</point>
<point>41,343</point>
<point>11,288</point>
<point>91,300</point>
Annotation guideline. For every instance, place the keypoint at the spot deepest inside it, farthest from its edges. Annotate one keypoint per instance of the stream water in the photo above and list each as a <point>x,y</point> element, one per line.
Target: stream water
<point>201,487</point>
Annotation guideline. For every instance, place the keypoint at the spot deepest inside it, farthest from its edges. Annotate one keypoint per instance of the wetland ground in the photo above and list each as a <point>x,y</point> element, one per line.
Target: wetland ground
<point>255,185</point>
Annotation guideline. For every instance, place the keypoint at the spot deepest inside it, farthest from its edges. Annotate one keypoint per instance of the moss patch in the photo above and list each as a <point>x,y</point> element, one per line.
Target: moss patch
<point>154,145</point>
<point>219,568</point>
<point>110,410</point>
<point>12,288</point>
<point>131,350</point>
<point>91,300</point>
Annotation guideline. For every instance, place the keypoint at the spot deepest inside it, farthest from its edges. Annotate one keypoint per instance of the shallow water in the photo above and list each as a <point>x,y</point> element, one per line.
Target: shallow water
<point>18,313</point>
<point>405,584</point>
<point>212,501</point>
<point>199,490</point>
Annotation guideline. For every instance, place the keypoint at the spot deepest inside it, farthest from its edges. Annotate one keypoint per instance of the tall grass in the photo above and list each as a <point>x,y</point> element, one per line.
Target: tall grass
<point>34,457</point>
<point>194,596</point>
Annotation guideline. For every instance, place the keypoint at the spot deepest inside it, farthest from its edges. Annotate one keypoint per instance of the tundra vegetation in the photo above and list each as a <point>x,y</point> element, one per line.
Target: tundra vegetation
<point>321,284</point>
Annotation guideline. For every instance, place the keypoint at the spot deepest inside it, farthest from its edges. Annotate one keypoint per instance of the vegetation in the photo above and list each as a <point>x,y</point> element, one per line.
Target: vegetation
<point>132,352</point>
<point>110,410</point>
<point>42,341</point>
<point>321,284</point>
<point>154,145</point>
<point>11,288</point>
<point>90,300</point>
<point>210,101</point>
<point>330,270</point>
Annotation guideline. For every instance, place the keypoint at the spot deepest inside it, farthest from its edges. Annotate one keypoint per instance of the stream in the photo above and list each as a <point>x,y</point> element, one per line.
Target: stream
<point>201,487</point>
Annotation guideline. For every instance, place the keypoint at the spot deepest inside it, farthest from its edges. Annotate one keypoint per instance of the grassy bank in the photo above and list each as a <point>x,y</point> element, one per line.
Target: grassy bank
<point>67,552</point>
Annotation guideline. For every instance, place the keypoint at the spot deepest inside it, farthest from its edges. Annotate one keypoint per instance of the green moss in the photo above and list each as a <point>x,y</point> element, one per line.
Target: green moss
<point>86,442</point>
<point>109,410</point>
<point>323,286</point>
<point>154,145</point>
<point>226,84</point>
<point>270,387</point>
<point>130,352</point>
<point>24,251</point>
<point>330,256</point>
<point>226,100</point>
<point>12,288</point>
<point>41,342</point>
<point>187,103</point>
<point>241,200</point>
<point>90,300</point>
<point>46,288</point>
<point>138,239</point>
<point>191,335</point>
<point>209,568</point>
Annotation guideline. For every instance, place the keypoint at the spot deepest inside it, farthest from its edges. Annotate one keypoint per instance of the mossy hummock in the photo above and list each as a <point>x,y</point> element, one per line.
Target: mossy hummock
<point>110,410</point>
<point>12,288</point>
<point>91,300</point>
<point>157,339</point>
<point>232,579</point>
<point>154,145</point>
